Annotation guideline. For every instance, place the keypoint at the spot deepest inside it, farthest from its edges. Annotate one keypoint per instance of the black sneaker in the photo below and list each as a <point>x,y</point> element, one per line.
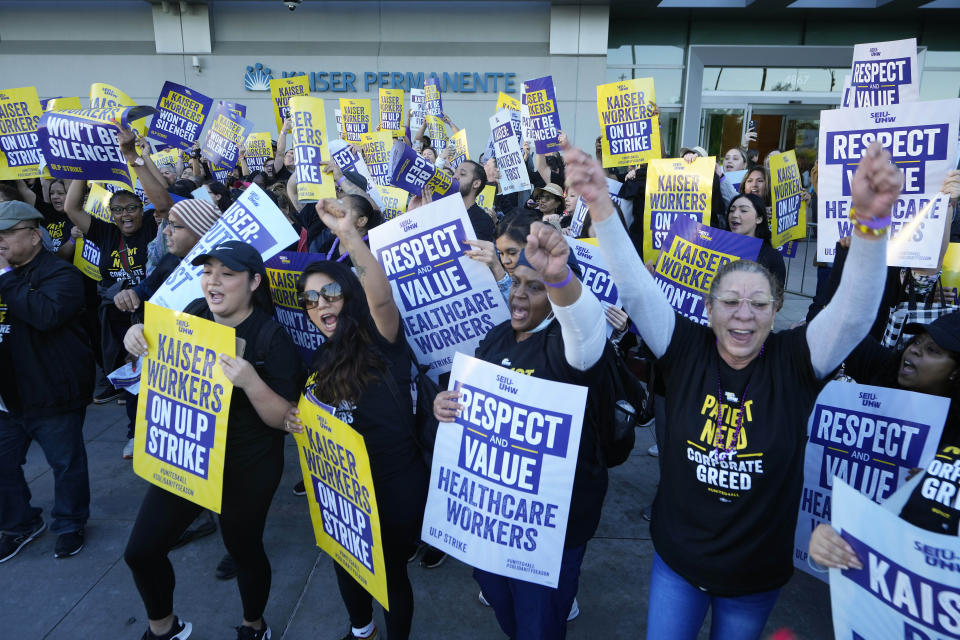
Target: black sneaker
<point>107,395</point>
<point>227,569</point>
<point>11,543</point>
<point>300,489</point>
<point>68,544</point>
<point>180,630</point>
<point>432,558</point>
<point>249,633</point>
<point>202,526</point>
<point>416,551</point>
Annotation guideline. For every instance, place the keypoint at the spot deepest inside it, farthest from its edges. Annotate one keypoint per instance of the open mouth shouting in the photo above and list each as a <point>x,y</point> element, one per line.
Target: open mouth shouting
<point>907,367</point>
<point>215,297</point>
<point>328,323</point>
<point>126,224</point>
<point>741,336</point>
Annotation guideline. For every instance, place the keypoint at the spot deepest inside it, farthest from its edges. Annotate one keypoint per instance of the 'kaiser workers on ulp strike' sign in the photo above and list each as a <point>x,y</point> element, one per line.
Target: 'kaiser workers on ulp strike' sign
<point>181,433</point>
<point>502,473</point>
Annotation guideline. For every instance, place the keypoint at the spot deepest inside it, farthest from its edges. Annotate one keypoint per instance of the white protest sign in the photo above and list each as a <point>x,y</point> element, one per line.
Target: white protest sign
<point>252,218</point>
<point>909,586</point>
<point>511,454</point>
<point>596,276</point>
<point>580,213</point>
<point>418,110</point>
<point>917,243</point>
<point>868,437</point>
<point>922,140</point>
<point>847,96</point>
<point>338,118</point>
<point>448,302</point>
<point>884,73</point>
<point>513,173</point>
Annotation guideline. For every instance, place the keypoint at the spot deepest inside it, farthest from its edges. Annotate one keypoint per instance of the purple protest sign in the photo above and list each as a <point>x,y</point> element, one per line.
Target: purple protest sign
<point>691,255</point>
<point>234,107</point>
<point>180,115</point>
<point>347,159</point>
<point>283,271</point>
<point>227,132</point>
<point>413,173</point>
<point>82,143</point>
<point>432,99</point>
<point>540,99</point>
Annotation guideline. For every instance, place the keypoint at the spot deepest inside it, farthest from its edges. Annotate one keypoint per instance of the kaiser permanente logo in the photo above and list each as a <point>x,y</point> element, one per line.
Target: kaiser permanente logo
<point>257,78</point>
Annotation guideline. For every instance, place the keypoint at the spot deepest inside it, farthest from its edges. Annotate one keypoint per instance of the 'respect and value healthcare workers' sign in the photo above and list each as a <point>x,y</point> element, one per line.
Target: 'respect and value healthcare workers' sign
<point>502,473</point>
<point>631,129</point>
<point>884,73</point>
<point>283,271</point>
<point>181,433</point>
<point>181,112</point>
<point>869,438</point>
<point>908,586</point>
<point>341,496</point>
<point>20,154</point>
<point>922,140</point>
<point>448,302</point>
<point>675,189</point>
<point>691,256</point>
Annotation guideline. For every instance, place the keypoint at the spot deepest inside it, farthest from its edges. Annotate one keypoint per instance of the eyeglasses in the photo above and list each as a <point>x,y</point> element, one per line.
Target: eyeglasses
<point>10,232</point>
<point>130,208</point>
<point>331,292</point>
<point>730,303</point>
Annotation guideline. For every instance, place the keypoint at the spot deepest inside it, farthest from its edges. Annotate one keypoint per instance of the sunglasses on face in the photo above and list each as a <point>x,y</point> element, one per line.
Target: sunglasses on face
<point>331,292</point>
<point>130,208</point>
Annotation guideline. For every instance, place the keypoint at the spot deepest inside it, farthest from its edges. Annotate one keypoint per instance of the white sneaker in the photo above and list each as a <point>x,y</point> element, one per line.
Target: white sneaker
<point>574,610</point>
<point>483,600</point>
<point>654,451</point>
<point>128,450</point>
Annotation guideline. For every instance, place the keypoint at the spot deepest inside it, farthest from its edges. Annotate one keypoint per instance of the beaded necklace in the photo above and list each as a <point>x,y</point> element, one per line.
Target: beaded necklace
<point>728,452</point>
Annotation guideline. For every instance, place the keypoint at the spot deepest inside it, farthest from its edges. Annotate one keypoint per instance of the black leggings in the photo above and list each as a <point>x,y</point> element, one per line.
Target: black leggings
<point>163,516</point>
<point>401,513</point>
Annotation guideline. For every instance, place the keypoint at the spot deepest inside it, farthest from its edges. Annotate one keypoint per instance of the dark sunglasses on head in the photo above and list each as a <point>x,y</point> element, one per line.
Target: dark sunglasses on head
<point>331,292</point>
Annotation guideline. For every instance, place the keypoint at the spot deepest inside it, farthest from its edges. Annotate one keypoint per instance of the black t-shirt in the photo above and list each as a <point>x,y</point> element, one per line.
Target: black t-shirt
<point>541,355</point>
<point>57,223</point>
<point>773,261</point>
<point>482,223</point>
<point>728,527</point>
<point>248,438</point>
<point>934,504</point>
<point>122,257</point>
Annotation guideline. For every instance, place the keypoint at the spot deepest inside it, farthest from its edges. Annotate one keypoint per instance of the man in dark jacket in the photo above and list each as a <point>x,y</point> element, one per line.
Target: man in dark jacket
<point>46,383</point>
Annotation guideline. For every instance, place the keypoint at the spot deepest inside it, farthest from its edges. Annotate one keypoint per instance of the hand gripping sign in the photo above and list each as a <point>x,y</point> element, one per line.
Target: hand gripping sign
<point>181,434</point>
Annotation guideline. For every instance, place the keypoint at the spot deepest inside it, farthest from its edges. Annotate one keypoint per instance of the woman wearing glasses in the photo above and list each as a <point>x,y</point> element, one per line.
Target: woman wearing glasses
<point>737,401</point>
<point>362,375</point>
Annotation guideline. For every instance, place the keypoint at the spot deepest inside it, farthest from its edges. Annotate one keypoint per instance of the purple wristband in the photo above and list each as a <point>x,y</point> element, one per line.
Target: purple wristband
<point>563,283</point>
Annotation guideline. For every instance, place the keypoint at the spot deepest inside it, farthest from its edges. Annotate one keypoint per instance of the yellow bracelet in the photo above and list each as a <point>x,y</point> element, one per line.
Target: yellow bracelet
<point>876,227</point>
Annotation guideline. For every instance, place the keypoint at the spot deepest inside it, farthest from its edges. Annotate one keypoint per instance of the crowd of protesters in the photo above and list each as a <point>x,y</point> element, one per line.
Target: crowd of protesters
<point>59,328</point>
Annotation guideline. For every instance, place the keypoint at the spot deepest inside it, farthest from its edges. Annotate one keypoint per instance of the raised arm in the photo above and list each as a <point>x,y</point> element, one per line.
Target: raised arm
<point>951,187</point>
<point>73,206</point>
<point>848,316</point>
<point>341,218</point>
<point>577,309</point>
<point>641,296</point>
<point>153,184</point>
<point>281,146</point>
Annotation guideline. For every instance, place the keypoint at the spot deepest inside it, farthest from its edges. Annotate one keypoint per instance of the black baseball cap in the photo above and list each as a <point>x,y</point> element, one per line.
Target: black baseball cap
<point>236,255</point>
<point>945,331</point>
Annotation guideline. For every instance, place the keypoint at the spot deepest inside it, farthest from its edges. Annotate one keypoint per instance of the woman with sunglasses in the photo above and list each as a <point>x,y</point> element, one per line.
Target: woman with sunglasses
<point>362,375</point>
<point>737,401</point>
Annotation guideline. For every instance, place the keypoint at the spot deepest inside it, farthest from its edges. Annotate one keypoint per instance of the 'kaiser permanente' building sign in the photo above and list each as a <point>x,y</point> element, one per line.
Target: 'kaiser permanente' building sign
<point>257,78</point>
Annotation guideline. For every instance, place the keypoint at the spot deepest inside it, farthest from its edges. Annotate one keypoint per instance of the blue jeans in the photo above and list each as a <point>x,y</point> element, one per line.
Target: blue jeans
<point>61,438</point>
<point>531,611</point>
<point>676,609</point>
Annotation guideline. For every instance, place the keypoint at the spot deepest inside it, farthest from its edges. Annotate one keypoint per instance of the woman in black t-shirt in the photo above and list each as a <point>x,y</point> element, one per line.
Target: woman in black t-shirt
<point>235,294</point>
<point>361,373</point>
<point>746,216</point>
<point>737,401</point>
<point>556,332</point>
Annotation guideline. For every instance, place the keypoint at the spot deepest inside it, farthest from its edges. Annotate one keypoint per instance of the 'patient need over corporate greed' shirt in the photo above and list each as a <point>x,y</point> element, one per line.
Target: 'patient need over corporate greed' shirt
<point>727,526</point>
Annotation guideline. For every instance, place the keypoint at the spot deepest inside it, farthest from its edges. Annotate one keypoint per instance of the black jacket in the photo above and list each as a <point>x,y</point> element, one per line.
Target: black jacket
<point>46,362</point>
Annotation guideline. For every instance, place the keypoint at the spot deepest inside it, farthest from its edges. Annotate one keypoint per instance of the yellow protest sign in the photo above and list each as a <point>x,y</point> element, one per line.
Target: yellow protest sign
<point>355,117</point>
<point>375,147</point>
<point>103,96</point>
<point>184,402</point>
<point>166,157</point>
<point>86,255</point>
<point>282,90</point>
<point>394,201</point>
<point>20,155</point>
<point>675,188</point>
<point>486,196</point>
<point>507,102</point>
<point>343,504</point>
<point>309,134</point>
<point>460,150</point>
<point>258,148</point>
<point>950,277</point>
<point>436,130</point>
<point>62,104</point>
<point>630,129</point>
<point>390,102</point>
<point>789,211</point>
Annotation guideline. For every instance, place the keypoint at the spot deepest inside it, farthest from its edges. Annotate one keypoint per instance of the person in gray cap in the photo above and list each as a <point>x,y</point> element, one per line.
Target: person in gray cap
<point>46,382</point>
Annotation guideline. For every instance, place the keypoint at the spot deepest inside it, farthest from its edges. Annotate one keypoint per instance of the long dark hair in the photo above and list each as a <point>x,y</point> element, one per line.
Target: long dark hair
<point>225,199</point>
<point>763,225</point>
<point>349,360</point>
<point>516,225</point>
